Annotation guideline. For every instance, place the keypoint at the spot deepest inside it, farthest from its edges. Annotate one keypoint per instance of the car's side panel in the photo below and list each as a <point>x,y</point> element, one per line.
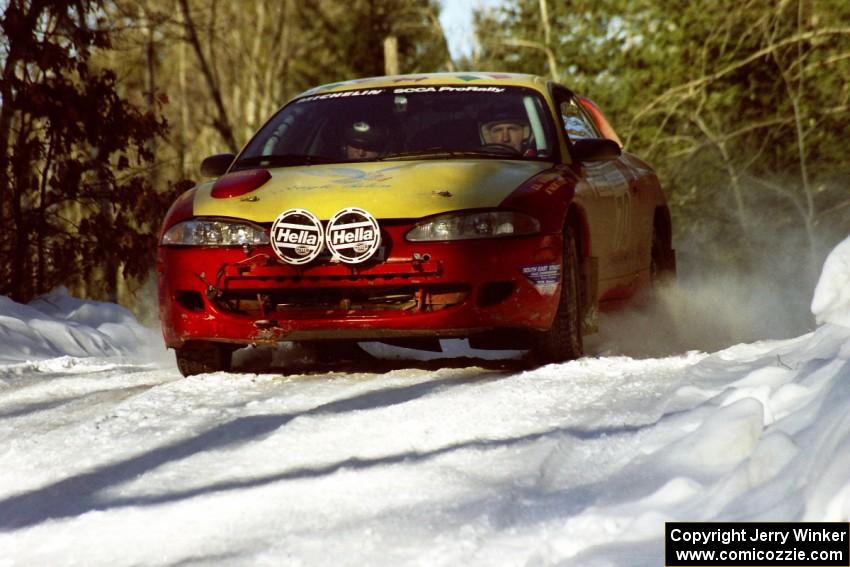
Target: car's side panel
<point>620,197</point>
<point>602,192</point>
<point>647,198</point>
<point>604,195</point>
<point>546,197</point>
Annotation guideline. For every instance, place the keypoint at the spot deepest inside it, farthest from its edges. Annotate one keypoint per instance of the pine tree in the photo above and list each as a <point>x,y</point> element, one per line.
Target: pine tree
<point>74,209</point>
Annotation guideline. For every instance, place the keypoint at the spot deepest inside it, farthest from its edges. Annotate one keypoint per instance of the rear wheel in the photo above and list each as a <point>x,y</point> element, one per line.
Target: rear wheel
<point>202,357</point>
<point>563,341</point>
<point>662,269</point>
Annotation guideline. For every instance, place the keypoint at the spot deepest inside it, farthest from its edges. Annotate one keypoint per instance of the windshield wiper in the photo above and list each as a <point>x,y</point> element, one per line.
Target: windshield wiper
<point>440,152</point>
<point>435,151</point>
<point>281,160</point>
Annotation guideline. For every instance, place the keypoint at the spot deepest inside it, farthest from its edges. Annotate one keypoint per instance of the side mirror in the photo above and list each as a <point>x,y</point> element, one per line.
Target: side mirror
<point>596,149</point>
<point>215,166</point>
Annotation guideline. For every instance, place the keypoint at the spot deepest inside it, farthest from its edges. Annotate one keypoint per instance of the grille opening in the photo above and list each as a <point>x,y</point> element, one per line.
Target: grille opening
<point>494,293</point>
<point>415,299</point>
<point>190,300</point>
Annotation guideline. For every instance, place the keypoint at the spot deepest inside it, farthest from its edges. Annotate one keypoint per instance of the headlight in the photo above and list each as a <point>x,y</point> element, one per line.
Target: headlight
<point>214,233</point>
<point>465,226</point>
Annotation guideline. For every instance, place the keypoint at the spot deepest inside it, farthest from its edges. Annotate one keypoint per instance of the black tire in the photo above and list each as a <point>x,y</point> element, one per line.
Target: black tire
<point>563,340</point>
<point>202,357</point>
<point>662,268</point>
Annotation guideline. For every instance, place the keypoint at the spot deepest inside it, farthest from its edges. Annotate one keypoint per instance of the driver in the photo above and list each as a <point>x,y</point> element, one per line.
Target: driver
<point>364,140</point>
<point>505,126</point>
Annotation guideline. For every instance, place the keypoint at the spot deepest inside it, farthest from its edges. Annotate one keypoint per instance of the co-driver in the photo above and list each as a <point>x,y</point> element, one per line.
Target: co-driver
<point>364,140</point>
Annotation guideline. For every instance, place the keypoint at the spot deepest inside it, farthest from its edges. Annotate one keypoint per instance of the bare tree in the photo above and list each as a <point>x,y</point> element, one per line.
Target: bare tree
<point>222,121</point>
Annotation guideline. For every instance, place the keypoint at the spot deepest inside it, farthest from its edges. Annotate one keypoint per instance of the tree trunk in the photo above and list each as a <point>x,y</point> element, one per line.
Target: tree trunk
<point>150,80</point>
<point>391,55</point>
<point>221,121</point>
<point>41,233</point>
<point>184,111</point>
<point>20,227</point>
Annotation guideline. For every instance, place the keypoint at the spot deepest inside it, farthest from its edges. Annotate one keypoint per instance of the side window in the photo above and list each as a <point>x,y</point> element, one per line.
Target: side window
<point>576,123</point>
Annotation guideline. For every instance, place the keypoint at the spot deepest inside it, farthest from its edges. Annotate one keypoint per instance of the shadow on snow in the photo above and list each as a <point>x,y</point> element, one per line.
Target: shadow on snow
<point>78,494</point>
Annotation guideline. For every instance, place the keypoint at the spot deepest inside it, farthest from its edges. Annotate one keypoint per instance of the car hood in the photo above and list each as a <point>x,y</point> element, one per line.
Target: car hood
<point>409,189</point>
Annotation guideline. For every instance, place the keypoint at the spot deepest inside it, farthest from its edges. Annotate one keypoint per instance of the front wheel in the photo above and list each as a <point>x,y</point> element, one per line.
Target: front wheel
<point>202,357</point>
<point>563,340</point>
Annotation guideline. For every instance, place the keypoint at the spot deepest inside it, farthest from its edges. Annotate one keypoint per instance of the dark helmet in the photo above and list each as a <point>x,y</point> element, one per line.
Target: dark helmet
<point>502,113</point>
<point>366,135</point>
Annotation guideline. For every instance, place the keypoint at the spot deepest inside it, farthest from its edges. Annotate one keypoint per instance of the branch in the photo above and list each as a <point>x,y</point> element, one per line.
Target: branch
<point>544,19</point>
<point>782,192</point>
<point>795,98</point>
<point>438,29</point>
<point>222,122</point>
<point>734,134</point>
<point>831,210</point>
<point>550,55</point>
<point>734,176</point>
<point>711,77</point>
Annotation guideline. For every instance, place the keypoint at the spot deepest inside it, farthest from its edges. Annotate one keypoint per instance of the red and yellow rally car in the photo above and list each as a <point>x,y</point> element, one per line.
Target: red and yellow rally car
<point>411,208</point>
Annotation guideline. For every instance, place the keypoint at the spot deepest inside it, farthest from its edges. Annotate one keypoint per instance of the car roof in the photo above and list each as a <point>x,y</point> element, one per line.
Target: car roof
<point>418,80</point>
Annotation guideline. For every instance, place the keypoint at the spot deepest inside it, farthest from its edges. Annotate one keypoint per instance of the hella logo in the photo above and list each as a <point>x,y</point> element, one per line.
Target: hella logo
<point>353,236</point>
<point>286,235</point>
<point>297,236</point>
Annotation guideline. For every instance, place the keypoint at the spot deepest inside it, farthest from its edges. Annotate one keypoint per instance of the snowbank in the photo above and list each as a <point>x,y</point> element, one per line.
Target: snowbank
<point>57,325</point>
<point>831,303</point>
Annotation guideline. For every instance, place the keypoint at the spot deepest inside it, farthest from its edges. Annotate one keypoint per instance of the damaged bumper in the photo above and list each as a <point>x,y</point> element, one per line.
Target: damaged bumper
<point>433,289</point>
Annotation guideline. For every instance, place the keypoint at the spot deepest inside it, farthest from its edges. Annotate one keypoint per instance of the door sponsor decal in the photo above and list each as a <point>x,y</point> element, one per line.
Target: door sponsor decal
<point>352,236</point>
<point>545,277</point>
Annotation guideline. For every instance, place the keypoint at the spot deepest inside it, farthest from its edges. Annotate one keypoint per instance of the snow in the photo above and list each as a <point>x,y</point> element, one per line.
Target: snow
<point>56,325</point>
<point>109,457</point>
<point>831,303</point>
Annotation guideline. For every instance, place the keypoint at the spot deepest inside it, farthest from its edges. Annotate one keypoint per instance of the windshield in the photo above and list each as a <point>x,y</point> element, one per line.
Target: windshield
<point>441,122</point>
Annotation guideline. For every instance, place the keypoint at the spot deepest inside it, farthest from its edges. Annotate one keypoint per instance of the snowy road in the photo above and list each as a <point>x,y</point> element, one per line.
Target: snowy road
<point>107,460</point>
<point>313,467</point>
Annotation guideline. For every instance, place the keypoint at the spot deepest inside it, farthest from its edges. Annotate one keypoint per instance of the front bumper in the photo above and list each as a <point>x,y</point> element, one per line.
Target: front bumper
<point>422,289</point>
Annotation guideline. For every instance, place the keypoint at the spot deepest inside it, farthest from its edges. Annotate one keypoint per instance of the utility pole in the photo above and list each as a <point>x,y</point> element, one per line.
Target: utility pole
<point>391,55</point>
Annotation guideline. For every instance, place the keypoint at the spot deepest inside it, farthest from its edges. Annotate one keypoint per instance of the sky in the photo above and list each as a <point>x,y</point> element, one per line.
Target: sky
<point>456,19</point>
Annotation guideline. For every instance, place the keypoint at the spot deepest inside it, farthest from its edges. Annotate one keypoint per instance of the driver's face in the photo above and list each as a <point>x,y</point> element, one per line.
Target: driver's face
<point>507,133</point>
<point>359,153</point>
